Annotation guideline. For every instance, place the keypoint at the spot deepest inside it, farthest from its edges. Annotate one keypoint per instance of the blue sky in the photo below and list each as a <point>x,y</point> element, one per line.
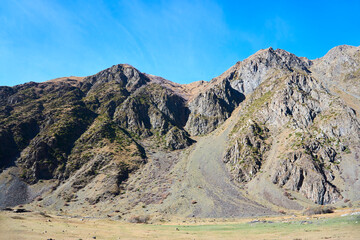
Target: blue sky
<point>183,41</point>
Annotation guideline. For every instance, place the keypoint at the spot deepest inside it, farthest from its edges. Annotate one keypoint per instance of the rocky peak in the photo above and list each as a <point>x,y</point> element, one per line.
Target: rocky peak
<point>123,75</point>
<point>339,52</point>
<point>339,68</point>
<point>245,76</point>
<point>338,59</point>
<point>215,102</point>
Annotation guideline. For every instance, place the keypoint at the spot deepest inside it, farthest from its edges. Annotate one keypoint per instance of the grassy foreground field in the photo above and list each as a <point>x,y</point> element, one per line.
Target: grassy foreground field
<point>343,224</point>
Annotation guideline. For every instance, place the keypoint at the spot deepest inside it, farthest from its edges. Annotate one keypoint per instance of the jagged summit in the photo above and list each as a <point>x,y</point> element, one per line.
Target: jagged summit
<point>122,74</point>
<point>275,132</point>
<point>246,75</point>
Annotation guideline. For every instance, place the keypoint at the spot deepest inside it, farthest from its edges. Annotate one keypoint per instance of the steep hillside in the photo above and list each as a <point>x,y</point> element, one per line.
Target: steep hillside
<point>52,129</point>
<point>275,132</point>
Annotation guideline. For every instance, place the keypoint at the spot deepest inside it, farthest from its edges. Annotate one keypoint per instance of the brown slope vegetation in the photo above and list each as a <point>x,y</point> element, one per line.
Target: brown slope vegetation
<point>53,129</point>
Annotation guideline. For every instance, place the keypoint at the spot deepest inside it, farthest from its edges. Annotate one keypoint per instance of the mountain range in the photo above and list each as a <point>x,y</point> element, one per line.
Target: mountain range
<point>275,133</point>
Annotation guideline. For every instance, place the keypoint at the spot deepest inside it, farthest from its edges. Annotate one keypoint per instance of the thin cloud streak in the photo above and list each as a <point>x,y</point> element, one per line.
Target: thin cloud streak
<point>183,41</point>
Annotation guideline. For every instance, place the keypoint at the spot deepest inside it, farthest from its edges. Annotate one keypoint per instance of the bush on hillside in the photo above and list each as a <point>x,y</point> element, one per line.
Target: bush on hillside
<point>318,210</point>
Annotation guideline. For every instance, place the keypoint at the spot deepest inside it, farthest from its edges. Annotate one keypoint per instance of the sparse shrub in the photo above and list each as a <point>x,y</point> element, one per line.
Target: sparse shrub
<point>298,134</point>
<point>139,219</point>
<point>319,210</point>
<point>287,194</point>
<point>44,215</point>
<point>346,150</point>
<point>68,198</point>
<point>282,212</point>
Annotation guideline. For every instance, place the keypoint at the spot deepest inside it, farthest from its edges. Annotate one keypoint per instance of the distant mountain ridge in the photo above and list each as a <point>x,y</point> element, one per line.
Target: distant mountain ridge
<point>275,132</point>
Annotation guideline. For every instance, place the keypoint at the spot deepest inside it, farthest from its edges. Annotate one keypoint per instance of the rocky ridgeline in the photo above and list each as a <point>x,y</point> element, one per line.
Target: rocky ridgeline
<point>290,126</point>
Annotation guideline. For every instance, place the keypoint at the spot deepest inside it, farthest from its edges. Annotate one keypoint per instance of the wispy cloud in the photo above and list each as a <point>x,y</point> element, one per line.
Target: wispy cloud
<point>172,32</point>
<point>183,40</point>
<point>281,30</point>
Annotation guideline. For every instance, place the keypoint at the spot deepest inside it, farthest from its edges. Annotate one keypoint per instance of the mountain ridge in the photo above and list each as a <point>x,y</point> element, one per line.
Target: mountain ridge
<point>133,142</point>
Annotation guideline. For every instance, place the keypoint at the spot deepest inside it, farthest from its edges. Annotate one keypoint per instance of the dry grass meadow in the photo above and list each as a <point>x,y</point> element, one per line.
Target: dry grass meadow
<point>343,224</point>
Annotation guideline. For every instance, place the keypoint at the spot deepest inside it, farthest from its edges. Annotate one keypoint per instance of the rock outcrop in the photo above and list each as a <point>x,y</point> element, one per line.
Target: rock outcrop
<point>212,107</point>
<point>318,125</point>
<point>245,156</point>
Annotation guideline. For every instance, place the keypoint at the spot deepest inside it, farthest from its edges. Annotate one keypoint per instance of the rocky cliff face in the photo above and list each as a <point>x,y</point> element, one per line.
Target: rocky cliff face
<point>318,125</point>
<point>212,107</point>
<point>87,136</point>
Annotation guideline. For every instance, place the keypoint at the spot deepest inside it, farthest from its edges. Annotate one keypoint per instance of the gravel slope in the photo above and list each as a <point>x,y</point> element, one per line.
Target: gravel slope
<point>206,189</point>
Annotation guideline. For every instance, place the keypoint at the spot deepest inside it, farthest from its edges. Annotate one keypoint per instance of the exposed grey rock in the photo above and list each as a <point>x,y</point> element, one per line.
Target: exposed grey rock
<point>177,139</point>
<point>244,157</point>
<point>319,120</point>
<point>152,107</point>
<point>247,75</point>
<point>299,172</point>
<point>212,107</point>
<point>125,75</point>
<point>339,68</point>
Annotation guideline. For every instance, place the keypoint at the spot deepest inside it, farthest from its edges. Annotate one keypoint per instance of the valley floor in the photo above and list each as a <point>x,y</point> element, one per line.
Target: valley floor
<point>343,224</point>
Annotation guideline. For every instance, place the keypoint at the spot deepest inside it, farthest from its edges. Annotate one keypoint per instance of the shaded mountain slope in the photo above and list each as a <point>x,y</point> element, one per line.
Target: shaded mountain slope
<point>52,129</point>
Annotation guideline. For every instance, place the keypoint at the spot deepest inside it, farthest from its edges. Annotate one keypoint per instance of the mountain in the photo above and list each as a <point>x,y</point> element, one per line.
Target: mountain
<point>274,133</point>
